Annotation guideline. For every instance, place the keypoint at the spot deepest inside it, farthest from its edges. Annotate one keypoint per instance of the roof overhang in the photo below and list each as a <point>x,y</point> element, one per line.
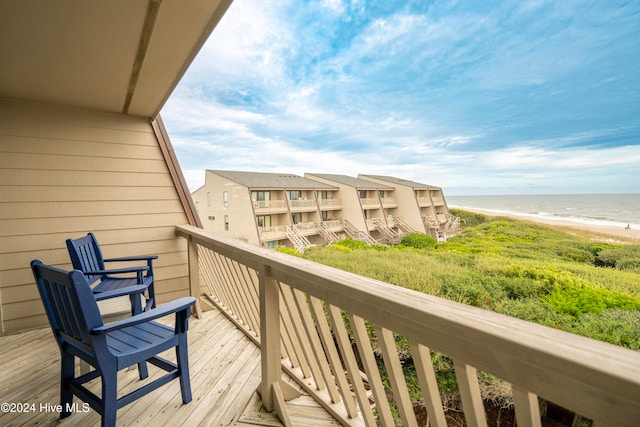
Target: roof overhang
<point>123,56</point>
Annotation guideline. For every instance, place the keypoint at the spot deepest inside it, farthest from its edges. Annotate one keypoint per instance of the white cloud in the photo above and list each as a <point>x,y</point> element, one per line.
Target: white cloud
<point>466,94</point>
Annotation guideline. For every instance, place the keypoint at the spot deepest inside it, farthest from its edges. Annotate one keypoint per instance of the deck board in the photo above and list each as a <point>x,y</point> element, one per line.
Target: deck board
<point>225,372</point>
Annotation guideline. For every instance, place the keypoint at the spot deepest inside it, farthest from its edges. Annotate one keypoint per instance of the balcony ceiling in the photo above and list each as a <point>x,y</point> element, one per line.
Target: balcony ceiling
<point>123,56</point>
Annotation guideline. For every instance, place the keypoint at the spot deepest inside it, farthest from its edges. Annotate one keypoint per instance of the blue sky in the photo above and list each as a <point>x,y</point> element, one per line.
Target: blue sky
<point>477,97</point>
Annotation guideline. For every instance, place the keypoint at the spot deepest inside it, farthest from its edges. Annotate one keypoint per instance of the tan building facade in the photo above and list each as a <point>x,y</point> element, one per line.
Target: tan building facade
<point>274,210</point>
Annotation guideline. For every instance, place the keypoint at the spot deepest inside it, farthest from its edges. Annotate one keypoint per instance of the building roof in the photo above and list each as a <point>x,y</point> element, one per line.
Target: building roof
<point>272,180</point>
<point>403,182</point>
<point>120,56</point>
<point>358,183</point>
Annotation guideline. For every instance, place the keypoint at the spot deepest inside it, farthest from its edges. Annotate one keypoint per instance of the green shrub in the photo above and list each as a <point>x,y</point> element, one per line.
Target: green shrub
<point>615,326</point>
<point>626,258</point>
<point>577,301</point>
<point>288,250</point>
<point>352,244</point>
<point>418,240</point>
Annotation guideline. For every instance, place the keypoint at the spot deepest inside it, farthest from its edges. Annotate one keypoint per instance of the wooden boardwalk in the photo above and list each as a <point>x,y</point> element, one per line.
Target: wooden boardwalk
<point>225,372</point>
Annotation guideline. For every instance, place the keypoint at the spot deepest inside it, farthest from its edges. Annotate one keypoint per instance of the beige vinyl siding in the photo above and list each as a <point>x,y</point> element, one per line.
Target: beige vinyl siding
<point>67,171</point>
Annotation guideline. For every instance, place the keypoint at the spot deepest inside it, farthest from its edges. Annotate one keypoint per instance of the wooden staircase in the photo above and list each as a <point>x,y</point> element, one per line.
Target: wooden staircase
<point>390,236</point>
<point>403,226</point>
<point>354,233</point>
<point>300,242</point>
<point>325,232</point>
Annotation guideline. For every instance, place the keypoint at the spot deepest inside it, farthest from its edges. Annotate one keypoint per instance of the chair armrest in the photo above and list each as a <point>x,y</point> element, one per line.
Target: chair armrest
<point>129,290</point>
<point>132,258</point>
<point>136,269</point>
<point>175,306</point>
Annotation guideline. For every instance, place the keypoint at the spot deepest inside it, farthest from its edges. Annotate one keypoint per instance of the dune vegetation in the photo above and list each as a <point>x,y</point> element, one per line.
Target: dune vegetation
<point>524,270</point>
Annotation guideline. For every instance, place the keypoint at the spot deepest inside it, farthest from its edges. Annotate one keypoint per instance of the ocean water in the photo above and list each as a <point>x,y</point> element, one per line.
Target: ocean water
<point>597,209</point>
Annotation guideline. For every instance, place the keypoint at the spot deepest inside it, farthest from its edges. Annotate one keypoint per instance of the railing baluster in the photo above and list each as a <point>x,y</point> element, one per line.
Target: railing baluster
<point>240,290</point>
<point>252,296</point>
<point>527,408</point>
<point>396,377</point>
<point>371,368</point>
<point>317,351</point>
<point>351,363</point>
<point>428,384</point>
<point>469,388</point>
<point>326,338</point>
<point>232,290</point>
<point>299,338</point>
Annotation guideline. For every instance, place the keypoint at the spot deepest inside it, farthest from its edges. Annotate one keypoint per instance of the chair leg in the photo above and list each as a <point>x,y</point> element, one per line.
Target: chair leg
<point>182,357</point>
<point>109,398</point>
<point>143,371</point>
<point>67,372</point>
<point>136,304</point>
<point>152,295</point>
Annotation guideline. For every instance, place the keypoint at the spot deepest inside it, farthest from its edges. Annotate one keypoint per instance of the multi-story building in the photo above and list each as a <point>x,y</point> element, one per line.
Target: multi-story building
<point>267,209</point>
<point>272,209</point>
<point>432,215</point>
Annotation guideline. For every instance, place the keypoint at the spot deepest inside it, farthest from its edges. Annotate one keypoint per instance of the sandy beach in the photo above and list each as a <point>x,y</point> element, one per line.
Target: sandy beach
<point>591,231</point>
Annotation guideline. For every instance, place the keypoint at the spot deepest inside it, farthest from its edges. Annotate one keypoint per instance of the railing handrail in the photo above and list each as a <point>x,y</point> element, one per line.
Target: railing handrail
<point>581,374</point>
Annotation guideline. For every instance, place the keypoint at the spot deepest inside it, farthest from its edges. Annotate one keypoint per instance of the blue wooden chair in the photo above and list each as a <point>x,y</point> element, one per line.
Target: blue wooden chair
<point>86,256</point>
<point>77,327</point>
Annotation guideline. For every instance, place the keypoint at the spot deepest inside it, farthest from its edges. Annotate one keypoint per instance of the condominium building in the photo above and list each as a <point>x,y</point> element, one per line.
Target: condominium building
<point>273,209</point>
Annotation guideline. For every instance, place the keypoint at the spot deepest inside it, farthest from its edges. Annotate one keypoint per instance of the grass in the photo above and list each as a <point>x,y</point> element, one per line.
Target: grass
<point>524,270</point>
<point>528,271</point>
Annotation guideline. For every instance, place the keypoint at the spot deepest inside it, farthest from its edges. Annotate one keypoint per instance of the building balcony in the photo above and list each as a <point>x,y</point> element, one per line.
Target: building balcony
<point>438,200</point>
<point>307,228</point>
<point>389,202</point>
<point>273,233</point>
<point>290,327</point>
<point>370,203</point>
<point>301,205</point>
<point>330,204</point>
<point>263,207</point>
<point>333,224</point>
<point>423,201</point>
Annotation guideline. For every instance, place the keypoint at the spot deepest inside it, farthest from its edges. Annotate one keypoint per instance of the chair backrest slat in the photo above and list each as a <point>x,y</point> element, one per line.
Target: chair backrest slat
<point>86,255</point>
<point>69,304</point>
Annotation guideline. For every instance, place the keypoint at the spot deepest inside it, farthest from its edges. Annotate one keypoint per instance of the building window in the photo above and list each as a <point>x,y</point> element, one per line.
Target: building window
<point>225,199</point>
<point>362,194</point>
<point>260,196</point>
<point>381,193</point>
<point>208,199</point>
<point>212,218</point>
<point>294,194</point>
<point>226,222</point>
<point>325,215</point>
<point>197,206</point>
<point>264,221</point>
<point>323,195</point>
<point>296,217</point>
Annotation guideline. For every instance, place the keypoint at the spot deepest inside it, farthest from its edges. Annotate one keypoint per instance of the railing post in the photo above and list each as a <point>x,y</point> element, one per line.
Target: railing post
<point>269,335</point>
<point>194,274</point>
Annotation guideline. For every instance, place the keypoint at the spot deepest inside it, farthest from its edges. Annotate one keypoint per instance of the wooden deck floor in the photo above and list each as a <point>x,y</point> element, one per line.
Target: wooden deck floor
<point>225,372</point>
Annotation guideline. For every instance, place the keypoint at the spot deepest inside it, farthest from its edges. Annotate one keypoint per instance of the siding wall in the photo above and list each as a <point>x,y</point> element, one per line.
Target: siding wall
<point>242,221</point>
<point>65,172</point>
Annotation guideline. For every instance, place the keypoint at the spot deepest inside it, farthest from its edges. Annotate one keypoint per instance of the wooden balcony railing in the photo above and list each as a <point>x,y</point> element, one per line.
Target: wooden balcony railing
<point>273,233</point>
<point>261,205</point>
<point>325,203</point>
<point>309,320</point>
<point>370,202</point>
<point>303,204</point>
